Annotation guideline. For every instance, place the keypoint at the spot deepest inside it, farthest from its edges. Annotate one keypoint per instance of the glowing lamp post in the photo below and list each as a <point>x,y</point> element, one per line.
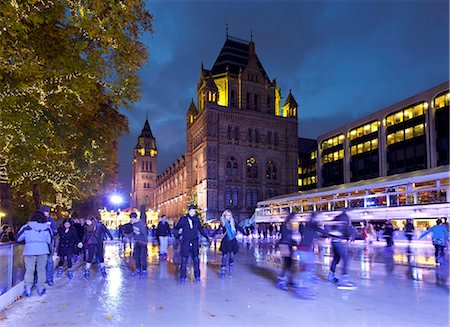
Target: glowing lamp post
<point>116,200</point>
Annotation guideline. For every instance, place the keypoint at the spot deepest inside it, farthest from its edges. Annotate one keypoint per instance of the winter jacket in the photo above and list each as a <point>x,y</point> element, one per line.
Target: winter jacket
<point>67,241</point>
<point>286,236</point>
<point>140,232</point>
<point>163,229</point>
<point>97,235</point>
<point>409,229</point>
<point>37,237</point>
<point>341,228</point>
<point>440,234</point>
<point>189,236</point>
<point>310,232</point>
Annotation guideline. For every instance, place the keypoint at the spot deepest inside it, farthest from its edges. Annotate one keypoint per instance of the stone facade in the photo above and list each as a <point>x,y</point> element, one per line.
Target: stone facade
<point>144,170</point>
<point>241,143</point>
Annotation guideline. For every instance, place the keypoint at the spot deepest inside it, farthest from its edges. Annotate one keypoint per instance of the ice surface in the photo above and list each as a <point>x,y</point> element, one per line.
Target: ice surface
<point>394,289</point>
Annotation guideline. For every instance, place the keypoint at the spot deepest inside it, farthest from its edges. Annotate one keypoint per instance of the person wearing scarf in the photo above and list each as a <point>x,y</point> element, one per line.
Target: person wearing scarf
<point>229,245</point>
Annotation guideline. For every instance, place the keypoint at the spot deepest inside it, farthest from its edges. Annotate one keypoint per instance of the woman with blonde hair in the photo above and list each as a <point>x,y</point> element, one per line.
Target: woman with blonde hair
<point>229,245</point>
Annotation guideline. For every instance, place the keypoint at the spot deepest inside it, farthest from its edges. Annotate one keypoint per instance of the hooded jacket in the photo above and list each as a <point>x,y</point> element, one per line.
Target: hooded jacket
<point>37,237</point>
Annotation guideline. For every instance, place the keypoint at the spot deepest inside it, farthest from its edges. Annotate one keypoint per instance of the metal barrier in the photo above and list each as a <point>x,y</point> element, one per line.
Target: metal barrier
<point>12,267</point>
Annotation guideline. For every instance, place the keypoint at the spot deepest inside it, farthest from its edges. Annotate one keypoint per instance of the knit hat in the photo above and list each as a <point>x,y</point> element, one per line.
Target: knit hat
<point>44,209</point>
<point>192,206</point>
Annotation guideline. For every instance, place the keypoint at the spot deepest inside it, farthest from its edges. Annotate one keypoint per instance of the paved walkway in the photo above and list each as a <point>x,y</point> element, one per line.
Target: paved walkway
<point>390,293</point>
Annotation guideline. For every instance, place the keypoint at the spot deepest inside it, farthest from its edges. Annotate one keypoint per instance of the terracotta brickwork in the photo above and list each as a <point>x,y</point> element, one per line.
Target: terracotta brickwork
<point>241,143</point>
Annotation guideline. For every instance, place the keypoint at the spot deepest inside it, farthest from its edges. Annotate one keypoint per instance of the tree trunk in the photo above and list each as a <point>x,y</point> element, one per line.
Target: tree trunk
<point>5,202</point>
<point>36,196</point>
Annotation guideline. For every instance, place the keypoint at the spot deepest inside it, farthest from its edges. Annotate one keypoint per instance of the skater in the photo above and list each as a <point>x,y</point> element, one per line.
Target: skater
<point>68,241</point>
<point>127,230</point>
<point>228,245</point>
<point>51,223</point>
<point>190,227</point>
<point>409,231</point>
<point>285,245</point>
<point>140,235</point>
<point>37,236</point>
<point>311,231</point>
<point>439,239</point>
<point>163,233</point>
<point>93,240</point>
<point>388,234</point>
<point>340,231</point>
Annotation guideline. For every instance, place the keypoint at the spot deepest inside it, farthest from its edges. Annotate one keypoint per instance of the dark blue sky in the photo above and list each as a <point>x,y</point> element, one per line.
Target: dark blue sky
<point>342,60</point>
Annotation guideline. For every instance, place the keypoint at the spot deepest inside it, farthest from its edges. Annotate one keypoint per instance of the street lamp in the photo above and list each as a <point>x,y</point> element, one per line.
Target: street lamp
<point>116,199</point>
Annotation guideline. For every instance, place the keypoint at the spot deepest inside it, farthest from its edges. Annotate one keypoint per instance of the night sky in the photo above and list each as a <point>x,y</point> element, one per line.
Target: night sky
<point>342,60</point>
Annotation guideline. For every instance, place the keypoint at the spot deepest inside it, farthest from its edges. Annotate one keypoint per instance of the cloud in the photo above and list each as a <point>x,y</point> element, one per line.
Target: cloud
<point>341,59</point>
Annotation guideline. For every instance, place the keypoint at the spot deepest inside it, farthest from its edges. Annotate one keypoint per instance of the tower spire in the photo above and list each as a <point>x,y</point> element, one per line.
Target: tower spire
<point>226,30</point>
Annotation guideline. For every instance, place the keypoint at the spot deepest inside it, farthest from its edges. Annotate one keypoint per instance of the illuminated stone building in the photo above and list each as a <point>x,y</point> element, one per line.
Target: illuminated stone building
<point>144,173</point>
<point>241,141</point>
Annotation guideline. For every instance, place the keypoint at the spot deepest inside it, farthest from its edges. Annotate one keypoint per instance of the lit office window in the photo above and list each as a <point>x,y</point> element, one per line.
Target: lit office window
<point>441,101</point>
<point>374,144</point>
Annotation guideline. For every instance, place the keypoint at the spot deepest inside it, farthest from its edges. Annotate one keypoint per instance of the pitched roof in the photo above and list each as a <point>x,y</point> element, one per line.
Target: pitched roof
<point>210,85</point>
<point>146,130</point>
<point>290,100</point>
<point>192,108</point>
<point>233,56</point>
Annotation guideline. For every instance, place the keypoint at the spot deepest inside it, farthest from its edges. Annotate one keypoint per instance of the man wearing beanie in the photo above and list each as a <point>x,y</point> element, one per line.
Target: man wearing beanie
<point>190,227</point>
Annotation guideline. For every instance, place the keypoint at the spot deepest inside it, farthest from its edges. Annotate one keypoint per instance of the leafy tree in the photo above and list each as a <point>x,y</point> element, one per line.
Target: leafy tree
<point>66,66</point>
<point>192,199</point>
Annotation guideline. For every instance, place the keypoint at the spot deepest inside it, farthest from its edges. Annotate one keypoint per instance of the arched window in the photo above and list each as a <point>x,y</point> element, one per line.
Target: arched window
<point>228,199</point>
<point>232,101</point>
<point>235,169</point>
<point>271,171</point>
<point>255,101</point>
<point>257,138</point>
<point>236,133</point>
<point>234,197</point>
<point>248,199</point>
<point>269,137</point>
<point>252,168</point>
<point>229,132</point>
<point>228,168</point>
<point>276,140</point>
<point>250,135</point>
<point>231,167</point>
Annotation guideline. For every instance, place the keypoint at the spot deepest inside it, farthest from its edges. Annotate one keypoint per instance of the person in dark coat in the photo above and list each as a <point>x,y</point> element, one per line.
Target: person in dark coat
<point>341,230</point>
<point>228,245</point>
<point>68,241</point>
<point>140,236</point>
<point>163,233</point>
<point>93,238</point>
<point>388,234</point>
<point>51,223</point>
<point>285,245</point>
<point>409,230</point>
<point>189,226</point>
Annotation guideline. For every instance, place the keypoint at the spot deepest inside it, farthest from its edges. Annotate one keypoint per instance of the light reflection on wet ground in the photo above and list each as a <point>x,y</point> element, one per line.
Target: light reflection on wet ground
<point>395,288</point>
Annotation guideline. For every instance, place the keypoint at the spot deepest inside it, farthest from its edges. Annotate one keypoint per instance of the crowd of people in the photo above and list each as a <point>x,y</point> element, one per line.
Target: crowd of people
<point>83,239</point>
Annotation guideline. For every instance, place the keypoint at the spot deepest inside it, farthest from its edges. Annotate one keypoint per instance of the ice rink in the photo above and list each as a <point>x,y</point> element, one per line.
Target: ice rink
<point>396,287</point>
